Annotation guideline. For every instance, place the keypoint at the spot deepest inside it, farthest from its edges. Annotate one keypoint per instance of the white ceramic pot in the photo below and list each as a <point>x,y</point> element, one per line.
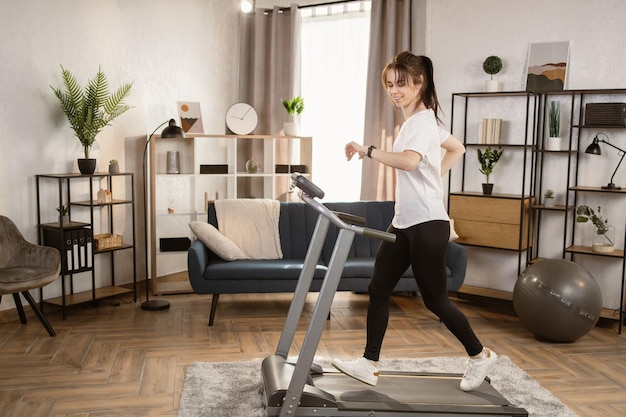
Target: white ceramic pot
<point>291,129</point>
<point>492,86</point>
<point>553,144</point>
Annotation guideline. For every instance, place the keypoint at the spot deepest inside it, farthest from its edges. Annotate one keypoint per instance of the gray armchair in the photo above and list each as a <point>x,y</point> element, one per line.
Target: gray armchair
<point>25,266</point>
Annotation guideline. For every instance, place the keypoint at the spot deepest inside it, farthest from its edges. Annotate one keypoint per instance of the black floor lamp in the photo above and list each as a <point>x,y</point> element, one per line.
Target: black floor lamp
<point>594,149</point>
<point>171,131</point>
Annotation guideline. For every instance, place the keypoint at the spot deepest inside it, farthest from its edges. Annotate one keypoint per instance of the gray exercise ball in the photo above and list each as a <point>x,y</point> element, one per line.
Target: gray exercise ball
<point>557,300</point>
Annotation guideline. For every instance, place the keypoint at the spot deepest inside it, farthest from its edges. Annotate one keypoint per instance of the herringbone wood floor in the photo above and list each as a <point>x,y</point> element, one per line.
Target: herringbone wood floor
<point>115,359</point>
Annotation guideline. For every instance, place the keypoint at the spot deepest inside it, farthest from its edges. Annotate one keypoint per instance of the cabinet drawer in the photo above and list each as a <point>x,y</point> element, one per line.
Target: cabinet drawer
<point>495,222</point>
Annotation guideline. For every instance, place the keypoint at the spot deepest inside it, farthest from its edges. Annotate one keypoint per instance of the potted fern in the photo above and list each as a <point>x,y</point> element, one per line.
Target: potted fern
<point>604,237</point>
<point>488,160</point>
<point>492,65</point>
<point>90,109</point>
<point>294,107</point>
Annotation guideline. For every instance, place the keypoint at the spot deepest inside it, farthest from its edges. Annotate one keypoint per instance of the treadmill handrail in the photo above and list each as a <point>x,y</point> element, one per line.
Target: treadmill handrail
<point>305,184</point>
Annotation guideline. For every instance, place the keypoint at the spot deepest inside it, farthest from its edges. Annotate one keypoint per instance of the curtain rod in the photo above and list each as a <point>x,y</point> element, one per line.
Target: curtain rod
<point>307,6</point>
<point>327,3</point>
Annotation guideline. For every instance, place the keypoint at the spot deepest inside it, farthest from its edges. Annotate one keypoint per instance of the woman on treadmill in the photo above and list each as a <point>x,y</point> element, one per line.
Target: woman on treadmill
<point>421,223</point>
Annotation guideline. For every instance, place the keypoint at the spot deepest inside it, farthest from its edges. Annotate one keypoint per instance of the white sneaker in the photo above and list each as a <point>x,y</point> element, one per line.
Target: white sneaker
<point>361,369</point>
<point>477,370</point>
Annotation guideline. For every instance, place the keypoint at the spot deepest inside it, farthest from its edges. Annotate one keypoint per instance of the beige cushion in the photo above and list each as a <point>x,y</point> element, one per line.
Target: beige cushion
<point>217,242</point>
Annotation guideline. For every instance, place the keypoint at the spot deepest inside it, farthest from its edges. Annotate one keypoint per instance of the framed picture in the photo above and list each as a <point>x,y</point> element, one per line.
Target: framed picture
<point>190,116</point>
<point>547,66</point>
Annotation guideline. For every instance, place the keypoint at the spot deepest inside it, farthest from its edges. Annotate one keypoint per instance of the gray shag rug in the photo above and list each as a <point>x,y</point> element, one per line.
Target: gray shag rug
<point>234,389</point>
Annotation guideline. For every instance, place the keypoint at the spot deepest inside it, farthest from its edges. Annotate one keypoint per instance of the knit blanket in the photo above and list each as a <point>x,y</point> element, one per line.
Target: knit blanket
<point>252,224</point>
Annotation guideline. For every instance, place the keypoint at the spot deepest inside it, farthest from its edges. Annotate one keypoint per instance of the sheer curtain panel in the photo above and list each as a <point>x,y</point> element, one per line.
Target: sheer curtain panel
<point>334,67</point>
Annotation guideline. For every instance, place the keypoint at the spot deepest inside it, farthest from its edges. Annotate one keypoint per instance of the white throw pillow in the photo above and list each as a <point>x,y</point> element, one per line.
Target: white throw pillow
<point>453,234</point>
<point>217,242</point>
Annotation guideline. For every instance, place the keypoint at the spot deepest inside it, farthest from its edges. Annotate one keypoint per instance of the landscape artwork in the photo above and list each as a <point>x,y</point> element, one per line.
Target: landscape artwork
<point>547,66</point>
<point>190,116</point>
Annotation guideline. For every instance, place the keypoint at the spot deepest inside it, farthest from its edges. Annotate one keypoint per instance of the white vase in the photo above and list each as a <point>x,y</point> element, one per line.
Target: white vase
<point>548,201</point>
<point>553,144</point>
<point>291,128</point>
<point>491,86</point>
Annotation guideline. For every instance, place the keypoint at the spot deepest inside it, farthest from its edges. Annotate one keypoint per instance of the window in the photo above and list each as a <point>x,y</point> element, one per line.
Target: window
<point>335,44</point>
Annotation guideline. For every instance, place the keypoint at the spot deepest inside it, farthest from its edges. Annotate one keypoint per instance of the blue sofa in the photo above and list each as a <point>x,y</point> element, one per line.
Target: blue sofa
<point>209,274</point>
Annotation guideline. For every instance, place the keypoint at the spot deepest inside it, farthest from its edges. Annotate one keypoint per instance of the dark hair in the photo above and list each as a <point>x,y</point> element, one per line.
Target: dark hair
<point>412,66</point>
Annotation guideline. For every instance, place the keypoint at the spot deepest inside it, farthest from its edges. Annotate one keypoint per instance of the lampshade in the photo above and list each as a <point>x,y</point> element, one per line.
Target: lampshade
<point>172,131</point>
<point>594,147</point>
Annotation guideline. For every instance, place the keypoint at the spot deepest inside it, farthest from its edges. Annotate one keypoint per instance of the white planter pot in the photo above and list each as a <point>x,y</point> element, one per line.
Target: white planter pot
<point>553,144</point>
<point>291,128</point>
<point>491,86</point>
<point>548,201</point>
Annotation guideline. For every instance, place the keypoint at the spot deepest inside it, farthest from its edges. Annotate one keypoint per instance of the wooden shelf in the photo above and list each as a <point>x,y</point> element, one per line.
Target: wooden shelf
<point>596,189</point>
<point>83,297</point>
<point>486,292</point>
<point>176,283</point>
<point>586,250</point>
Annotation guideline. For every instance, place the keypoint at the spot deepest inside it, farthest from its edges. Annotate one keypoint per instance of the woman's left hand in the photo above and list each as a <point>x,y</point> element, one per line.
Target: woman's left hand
<point>353,148</point>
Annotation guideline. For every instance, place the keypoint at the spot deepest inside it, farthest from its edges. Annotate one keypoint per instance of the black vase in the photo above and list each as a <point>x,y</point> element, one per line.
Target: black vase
<point>87,166</point>
<point>487,188</point>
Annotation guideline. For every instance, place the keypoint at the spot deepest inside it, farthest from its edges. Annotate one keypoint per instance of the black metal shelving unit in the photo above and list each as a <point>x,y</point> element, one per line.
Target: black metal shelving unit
<point>75,239</point>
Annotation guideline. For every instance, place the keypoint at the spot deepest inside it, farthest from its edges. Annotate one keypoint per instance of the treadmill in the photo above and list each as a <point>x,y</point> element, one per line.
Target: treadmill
<point>303,388</point>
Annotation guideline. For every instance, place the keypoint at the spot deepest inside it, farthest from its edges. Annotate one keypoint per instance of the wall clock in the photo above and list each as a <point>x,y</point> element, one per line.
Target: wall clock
<point>241,118</point>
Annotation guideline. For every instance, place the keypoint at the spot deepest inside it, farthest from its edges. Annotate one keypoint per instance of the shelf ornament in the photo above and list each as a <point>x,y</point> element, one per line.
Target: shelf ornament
<point>604,234</point>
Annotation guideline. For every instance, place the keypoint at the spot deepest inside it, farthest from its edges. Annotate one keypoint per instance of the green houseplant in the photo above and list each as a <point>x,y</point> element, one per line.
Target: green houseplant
<point>548,198</point>
<point>90,109</point>
<point>604,236</point>
<point>294,108</point>
<point>114,166</point>
<point>492,65</point>
<point>64,214</point>
<point>488,160</point>
<point>554,126</point>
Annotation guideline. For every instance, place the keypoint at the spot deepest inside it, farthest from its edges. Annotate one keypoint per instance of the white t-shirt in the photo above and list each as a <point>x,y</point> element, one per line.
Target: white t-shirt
<point>419,193</point>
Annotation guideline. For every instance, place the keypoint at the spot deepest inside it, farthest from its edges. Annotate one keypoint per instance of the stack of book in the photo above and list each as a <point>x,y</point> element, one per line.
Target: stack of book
<point>489,131</point>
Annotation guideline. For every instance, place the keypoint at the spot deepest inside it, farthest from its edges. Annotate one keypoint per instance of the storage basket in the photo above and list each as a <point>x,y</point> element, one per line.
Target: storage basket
<point>107,241</point>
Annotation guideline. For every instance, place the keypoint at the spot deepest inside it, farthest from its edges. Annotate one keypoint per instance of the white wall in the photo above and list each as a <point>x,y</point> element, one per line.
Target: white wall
<point>463,33</point>
<point>171,50</point>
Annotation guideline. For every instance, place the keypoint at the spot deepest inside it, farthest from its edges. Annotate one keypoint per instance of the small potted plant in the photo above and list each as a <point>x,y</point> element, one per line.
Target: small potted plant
<point>90,109</point>
<point>492,65</point>
<point>294,108</point>
<point>604,233</point>
<point>64,216</point>
<point>548,198</point>
<point>488,160</point>
<point>114,166</point>
<point>554,124</point>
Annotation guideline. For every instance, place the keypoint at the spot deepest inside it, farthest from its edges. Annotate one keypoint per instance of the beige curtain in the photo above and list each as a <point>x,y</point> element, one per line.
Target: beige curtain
<point>269,70</point>
<point>396,25</point>
<point>269,64</point>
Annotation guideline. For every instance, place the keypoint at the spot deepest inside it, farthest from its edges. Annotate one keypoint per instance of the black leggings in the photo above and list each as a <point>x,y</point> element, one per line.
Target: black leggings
<point>423,247</point>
